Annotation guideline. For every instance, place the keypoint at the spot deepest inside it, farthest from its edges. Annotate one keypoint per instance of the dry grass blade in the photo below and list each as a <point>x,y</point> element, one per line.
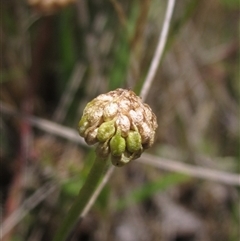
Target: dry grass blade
<point>68,95</point>
<point>169,165</point>
<point>104,181</point>
<point>148,81</point>
<point>193,171</point>
<point>27,205</point>
<point>181,57</point>
<point>93,199</point>
<point>159,50</point>
<point>45,125</point>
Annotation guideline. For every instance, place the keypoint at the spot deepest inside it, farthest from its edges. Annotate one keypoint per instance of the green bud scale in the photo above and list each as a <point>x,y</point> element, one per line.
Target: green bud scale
<point>121,124</point>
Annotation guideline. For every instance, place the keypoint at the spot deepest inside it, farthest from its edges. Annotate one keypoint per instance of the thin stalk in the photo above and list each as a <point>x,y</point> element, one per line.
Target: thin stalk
<point>159,50</point>
<point>82,199</point>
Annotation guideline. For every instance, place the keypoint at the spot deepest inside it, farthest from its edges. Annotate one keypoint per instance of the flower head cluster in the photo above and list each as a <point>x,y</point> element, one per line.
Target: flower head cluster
<point>121,124</point>
<point>49,6</point>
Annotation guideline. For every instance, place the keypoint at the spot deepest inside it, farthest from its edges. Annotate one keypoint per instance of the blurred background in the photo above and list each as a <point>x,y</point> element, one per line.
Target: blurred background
<point>56,55</point>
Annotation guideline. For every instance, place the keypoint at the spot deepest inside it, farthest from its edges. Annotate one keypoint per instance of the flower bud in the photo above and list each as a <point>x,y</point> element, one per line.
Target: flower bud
<point>134,142</point>
<point>121,123</point>
<point>117,145</point>
<point>83,125</point>
<point>91,134</point>
<point>105,131</point>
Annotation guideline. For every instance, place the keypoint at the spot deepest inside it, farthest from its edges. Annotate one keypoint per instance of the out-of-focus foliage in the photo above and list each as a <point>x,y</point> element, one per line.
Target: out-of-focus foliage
<point>53,63</point>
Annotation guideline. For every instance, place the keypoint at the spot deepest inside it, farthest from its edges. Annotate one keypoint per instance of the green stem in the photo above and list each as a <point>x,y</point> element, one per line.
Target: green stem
<point>82,199</point>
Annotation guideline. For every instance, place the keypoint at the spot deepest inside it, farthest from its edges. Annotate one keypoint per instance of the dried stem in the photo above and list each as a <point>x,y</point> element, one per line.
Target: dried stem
<point>159,51</point>
<point>72,135</point>
<point>92,200</point>
<point>147,84</point>
<point>25,208</point>
<point>82,199</point>
<point>191,170</point>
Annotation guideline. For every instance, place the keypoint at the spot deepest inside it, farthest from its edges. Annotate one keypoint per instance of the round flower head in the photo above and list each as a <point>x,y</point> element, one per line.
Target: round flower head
<point>121,124</point>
